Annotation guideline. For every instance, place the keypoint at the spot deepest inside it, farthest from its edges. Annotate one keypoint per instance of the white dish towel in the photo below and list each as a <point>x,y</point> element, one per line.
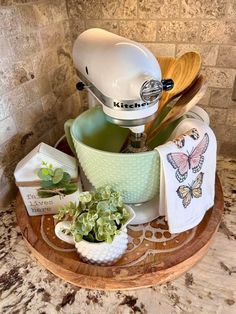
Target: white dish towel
<point>187,178</point>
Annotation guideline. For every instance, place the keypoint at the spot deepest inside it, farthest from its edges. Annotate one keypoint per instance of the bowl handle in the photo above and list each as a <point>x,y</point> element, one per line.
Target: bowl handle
<point>67,127</point>
<point>64,226</point>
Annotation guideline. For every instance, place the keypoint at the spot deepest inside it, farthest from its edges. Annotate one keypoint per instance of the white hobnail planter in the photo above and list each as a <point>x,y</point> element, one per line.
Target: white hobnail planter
<point>97,253</point>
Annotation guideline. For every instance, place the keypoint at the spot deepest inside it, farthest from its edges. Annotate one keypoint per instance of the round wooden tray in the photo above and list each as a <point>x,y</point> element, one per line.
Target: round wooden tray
<point>153,255</point>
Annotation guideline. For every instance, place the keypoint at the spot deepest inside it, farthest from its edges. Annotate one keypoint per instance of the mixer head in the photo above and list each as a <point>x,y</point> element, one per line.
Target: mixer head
<point>123,75</point>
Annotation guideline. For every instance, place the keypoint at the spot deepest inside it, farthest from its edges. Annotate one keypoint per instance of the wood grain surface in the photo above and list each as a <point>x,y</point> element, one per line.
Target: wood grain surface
<point>164,259</point>
<point>165,64</point>
<point>183,72</point>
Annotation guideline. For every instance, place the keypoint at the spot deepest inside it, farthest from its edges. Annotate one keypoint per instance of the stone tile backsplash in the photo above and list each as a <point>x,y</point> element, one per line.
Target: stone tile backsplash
<point>124,9</point>
<point>203,9</point>
<point>37,77</point>
<point>139,30</point>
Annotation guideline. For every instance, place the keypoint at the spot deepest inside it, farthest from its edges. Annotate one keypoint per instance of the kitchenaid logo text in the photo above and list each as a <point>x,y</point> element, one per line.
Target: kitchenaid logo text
<point>129,106</point>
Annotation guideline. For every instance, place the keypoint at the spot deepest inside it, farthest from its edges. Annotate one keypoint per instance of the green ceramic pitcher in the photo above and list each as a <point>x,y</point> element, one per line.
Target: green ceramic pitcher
<point>97,143</point>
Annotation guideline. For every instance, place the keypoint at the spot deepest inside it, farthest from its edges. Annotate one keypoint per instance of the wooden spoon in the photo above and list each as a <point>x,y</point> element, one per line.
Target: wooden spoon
<point>183,105</point>
<point>183,72</point>
<point>165,64</point>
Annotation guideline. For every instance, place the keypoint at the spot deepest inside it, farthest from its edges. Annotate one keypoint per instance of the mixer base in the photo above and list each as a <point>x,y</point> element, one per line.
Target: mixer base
<point>145,212</point>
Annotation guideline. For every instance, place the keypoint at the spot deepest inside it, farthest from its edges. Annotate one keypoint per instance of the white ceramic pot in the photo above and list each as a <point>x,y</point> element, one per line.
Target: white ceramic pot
<point>97,253</point>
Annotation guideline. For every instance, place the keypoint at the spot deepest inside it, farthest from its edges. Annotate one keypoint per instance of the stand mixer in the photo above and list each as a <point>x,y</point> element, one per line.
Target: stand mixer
<point>124,77</point>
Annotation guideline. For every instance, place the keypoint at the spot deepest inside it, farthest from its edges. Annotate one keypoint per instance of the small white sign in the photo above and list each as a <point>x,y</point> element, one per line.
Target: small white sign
<point>26,173</point>
<point>45,206</point>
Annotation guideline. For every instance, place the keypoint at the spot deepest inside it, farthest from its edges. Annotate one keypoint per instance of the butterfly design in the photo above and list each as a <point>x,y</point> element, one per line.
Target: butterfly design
<point>184,162</point>
<point>180,140</point>
<point>187,192</point>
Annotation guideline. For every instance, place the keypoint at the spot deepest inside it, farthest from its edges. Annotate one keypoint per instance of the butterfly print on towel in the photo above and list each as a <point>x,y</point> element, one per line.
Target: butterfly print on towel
<point>180,140</point>
<point>184,162</point>
<point>187,192</point>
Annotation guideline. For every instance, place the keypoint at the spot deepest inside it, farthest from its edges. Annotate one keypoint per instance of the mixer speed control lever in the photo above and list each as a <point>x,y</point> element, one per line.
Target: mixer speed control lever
<point>167,84</point>
<point>81,86</point>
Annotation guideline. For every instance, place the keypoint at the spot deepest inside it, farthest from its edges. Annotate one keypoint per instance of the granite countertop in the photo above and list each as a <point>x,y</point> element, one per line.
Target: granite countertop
<point>209,287</point>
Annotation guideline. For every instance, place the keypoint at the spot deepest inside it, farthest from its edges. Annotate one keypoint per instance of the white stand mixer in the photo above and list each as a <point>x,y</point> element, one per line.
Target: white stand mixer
<point>124,76</point>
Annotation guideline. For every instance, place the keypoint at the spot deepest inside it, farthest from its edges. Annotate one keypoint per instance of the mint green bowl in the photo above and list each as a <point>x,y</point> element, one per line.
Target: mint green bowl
<point>97,143</point>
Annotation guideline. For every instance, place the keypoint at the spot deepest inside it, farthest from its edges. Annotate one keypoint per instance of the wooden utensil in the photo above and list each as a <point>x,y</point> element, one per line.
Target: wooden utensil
<point>165,64</point>
<point>183,72</point>
<point>183,105</point>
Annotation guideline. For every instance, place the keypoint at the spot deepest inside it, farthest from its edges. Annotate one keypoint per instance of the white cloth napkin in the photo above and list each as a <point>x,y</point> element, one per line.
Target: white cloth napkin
<point>187,178</point>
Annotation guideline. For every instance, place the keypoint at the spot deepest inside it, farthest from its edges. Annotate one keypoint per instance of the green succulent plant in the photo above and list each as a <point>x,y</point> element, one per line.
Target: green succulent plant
<point>99,216</point>
<point>54,181</point>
